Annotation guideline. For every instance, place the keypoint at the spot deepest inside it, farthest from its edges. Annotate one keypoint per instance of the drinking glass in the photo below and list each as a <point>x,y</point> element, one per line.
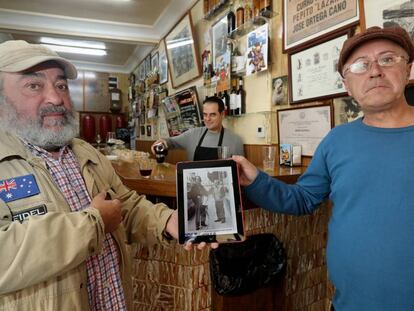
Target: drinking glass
<point>223,152</point>
<point>110,139</point>
<point>98,140</point>
<point>269,154</point>
<point>146,166</point>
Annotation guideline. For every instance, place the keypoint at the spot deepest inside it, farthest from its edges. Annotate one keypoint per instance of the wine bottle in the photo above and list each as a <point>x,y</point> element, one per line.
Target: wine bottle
<point>231,22</point>
<point>226,100</point>
<point>241,99</point>
<point>233,97</point>
<point>239,16</point>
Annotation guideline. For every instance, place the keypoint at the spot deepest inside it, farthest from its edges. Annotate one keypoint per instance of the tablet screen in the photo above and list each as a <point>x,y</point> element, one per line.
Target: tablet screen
<point>209,202</point>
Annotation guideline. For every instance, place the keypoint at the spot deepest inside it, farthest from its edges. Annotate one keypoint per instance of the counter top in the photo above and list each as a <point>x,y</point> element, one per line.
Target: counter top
<point>162,181</point>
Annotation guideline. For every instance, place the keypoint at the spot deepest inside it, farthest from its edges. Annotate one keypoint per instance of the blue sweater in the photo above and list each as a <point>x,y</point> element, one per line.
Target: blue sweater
<point>368,174</point>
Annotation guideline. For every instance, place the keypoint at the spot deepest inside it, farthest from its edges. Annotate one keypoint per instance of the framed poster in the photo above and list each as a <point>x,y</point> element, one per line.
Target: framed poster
<point>183,57</point>
<point>305,126</point>
<point>209,202</point>
<point>154,62</point>
<point>181,111</point>
<point>387,13</point>
<point>304,21</point>
<point>313,72</point>
<point>221,54</point>
<point>163,64</point>
<point>257,48</point>
<point>147,65</point>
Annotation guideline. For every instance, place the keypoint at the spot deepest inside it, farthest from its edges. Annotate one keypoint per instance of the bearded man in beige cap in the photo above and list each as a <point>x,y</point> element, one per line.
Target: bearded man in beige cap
<point>366,169</point>
<point>64,213</point>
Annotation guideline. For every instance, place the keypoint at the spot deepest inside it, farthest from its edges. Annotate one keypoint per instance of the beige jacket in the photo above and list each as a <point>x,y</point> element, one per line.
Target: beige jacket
<point>42,259</point>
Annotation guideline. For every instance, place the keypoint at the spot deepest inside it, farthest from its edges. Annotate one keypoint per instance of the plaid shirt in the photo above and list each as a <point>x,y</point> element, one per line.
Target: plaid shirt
<point>104,280</point>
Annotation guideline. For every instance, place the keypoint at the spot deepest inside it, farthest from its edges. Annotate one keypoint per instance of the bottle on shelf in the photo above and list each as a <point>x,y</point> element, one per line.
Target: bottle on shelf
<point>265,5</point>
<point>240,15</point>
<point>248,11</point>
<point>231,22</point>
<point>240,99</point>
<point>233,97</point>
<point>256,8</point>
<point>226,100</point>
<point>206,7</point>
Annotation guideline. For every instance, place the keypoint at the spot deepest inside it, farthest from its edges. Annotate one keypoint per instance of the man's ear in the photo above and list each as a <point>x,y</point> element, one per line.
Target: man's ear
<point>409,67</point>
<point>346,86</point>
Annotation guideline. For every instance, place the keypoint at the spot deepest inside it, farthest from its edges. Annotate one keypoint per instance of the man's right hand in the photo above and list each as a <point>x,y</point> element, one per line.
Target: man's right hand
<point>159,141</point>
<point>110,211</point>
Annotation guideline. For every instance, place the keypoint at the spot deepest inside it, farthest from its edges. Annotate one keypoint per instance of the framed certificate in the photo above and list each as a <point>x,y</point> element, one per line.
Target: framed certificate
<point>305,126</point>
<point>209,202</point>
<point>313,72</point>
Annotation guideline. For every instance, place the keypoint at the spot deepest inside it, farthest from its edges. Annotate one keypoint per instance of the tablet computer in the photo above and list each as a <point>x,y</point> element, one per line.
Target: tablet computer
<point>209,202</point>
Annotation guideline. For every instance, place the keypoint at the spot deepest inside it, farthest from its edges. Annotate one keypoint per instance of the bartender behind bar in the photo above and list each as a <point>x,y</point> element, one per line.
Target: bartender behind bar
<point>201,143</point>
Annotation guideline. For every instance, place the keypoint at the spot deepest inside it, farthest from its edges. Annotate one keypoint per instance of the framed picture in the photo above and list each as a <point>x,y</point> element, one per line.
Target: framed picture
<point>387,13</point>
<point>141,70</point>
<point>280,91</point>
<point>257,48</point>
<point>183,57</point>
<point>313,72</point>
<point>346,110</point>
<point>147,64</point>
<point>304,126</point>
<point>154,62</point>
<point>209,202</point>
<point>304,21</point>
<point>221,54</point>
<point>163,64</point>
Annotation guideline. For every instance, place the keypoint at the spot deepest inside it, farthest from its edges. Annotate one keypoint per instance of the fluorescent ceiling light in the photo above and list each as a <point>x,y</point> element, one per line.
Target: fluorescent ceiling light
<point>75,43</point>
<point>75,50</point>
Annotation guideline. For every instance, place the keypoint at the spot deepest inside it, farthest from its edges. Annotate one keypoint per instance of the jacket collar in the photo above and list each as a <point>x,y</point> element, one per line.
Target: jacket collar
<point>11,146</point>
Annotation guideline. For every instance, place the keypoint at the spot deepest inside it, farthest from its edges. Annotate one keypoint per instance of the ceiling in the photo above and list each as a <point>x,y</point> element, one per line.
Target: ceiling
<point>129,28</point>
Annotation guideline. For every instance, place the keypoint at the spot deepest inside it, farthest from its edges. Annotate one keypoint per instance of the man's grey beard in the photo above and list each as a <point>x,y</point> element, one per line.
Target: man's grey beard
<point>33,131</point>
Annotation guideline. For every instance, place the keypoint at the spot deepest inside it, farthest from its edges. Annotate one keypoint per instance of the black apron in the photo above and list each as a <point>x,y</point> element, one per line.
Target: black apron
<point>207,153</point>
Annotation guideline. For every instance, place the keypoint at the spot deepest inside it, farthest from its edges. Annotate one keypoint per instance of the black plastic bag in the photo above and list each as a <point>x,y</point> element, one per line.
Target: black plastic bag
<point>240,268</point>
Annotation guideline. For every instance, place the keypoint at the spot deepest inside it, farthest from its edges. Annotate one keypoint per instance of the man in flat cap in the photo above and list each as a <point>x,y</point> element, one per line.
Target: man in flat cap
<point>64,214</point>
<point>366,169</point>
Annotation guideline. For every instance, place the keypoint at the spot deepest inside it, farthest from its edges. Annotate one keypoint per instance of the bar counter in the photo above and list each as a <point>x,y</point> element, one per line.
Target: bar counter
<point>175,279</point>
<point>162,182</point>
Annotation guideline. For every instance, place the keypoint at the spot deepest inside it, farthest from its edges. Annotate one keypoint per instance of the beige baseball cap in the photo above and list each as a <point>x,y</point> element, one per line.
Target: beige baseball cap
<point>19,55</point>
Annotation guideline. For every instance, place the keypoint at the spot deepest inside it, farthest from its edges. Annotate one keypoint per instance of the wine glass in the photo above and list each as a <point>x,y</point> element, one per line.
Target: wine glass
<point>110,139</point>
<point>98,140</point>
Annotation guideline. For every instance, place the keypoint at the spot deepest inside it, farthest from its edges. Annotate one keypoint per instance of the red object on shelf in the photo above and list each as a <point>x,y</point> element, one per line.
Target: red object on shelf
<point>119,122</point>
<point>88,128</point>
<point>105,125</point>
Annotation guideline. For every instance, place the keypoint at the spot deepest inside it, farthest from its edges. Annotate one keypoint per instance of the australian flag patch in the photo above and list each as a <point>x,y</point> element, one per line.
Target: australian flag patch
<point>18,188</point>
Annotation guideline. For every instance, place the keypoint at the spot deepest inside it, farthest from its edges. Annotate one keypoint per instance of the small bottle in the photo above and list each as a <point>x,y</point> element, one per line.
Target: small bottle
<point>241,99</point>
<point>206,7</point>
<point>226,100</point>
<point>256,8</point>
<point>233,97</point>
<point>239,16</point>
<point>160,152</point>
<point>231,22</point>
<point>248,11</point>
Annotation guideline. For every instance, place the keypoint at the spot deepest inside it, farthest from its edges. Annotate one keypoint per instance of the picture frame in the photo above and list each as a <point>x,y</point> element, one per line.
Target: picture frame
<point>182,53</point>
<point>280,92</point>
<point>221,53</point>
<point>313,72</point>
<point>155,62</point>
<point>209,202</point>
<point>304,126</point>
<point>346,110</point>
<point>147,65</point>
<point>163,64</point>
<point>385,13</point>
<point>305,21</point>
<point>257,50</point>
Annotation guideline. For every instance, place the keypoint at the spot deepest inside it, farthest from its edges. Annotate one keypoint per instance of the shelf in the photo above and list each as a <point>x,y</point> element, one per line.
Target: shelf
<point>252,24</point>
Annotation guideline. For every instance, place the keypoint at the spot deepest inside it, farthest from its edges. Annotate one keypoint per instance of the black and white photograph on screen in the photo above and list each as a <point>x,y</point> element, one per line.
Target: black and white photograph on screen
<point>209,201</point>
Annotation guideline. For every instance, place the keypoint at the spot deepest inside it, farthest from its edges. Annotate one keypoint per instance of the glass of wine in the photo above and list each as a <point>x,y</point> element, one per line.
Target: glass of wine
<point>146,166</point>
<point>110,139</point>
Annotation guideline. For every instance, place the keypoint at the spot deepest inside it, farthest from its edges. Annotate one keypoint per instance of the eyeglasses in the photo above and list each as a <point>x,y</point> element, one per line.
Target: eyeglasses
<point>364,65</point>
